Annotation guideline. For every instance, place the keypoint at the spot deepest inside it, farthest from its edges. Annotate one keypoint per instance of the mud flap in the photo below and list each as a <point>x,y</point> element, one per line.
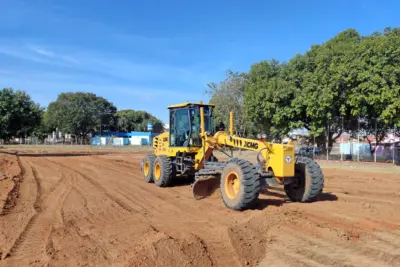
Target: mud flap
<point>205,187</point>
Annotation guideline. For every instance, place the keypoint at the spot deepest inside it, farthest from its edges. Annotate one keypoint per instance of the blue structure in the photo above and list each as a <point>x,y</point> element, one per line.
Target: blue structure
<point>123,138</point>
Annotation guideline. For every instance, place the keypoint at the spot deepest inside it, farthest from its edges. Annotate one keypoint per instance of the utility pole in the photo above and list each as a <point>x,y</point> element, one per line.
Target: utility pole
<point>394,144</point>
<point>327,142</point>
<point>376,144</point>
<point>341,148</point>
<point>314,148</point>
<point>358,139</point>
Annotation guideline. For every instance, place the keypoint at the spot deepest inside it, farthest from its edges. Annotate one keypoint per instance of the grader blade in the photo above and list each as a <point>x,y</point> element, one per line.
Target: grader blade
<point>205,187</point>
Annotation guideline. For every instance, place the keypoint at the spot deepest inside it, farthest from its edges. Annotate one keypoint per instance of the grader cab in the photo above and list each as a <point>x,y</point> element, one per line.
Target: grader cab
<point>187,150</point>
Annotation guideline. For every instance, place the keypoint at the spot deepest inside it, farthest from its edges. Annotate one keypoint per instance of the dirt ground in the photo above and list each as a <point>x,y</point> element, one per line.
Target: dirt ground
<point>96,210</point>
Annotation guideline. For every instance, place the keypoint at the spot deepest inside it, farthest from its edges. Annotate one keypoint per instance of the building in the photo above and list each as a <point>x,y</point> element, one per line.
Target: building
<point>123,138</point>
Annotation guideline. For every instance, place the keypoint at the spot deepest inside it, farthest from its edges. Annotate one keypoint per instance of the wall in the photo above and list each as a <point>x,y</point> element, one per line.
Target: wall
<point>140,140</point>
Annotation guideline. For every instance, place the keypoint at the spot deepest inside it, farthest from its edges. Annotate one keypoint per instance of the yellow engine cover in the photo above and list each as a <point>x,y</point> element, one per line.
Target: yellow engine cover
<point>161,146</point>
<point>281,160</point>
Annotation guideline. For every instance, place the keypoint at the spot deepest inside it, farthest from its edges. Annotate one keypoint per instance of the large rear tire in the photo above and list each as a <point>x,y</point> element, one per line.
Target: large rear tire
<point>240,184</point>
<point>310,182</point>
<point>147,168</point>
<point>163,171</point>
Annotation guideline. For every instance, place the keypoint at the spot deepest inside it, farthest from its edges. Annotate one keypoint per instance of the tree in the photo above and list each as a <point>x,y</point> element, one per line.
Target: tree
<point>126,120</point>
<point>81,113</point>
<point>42,129</point>
<point>228,96</point>
<point>325,76</point>
<point>375,97</point>
<point>18,113</point>
<point>129,120</point>
<point>268,96</point>
<point>347,79</point>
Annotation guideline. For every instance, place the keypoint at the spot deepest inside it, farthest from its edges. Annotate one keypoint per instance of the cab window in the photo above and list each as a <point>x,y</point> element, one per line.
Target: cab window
<point>179,127</point>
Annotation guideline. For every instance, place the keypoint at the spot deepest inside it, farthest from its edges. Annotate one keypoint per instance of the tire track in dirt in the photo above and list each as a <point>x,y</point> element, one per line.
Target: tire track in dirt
<point>167,201</point>
<point>23,212</point>
<point>33,240</point>
<point>100,187</point>
<point>166,227</point>
<point>14,178</point>
<point>332,252</point>
<point>184,212</point>
<point>164,196</point>
<point>37,205</point>
<point>117,217</point>
<point>323,241</point>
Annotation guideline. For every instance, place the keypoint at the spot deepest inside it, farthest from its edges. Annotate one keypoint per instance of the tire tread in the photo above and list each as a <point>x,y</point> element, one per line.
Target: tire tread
<point>316,181</point>
<point>167,171</point>
<point>250,181</point>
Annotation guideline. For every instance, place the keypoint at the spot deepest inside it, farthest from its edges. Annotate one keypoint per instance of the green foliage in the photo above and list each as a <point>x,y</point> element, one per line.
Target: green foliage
<point>228,96</point>
<point>325,76</point>
<point>81,113</point>
<point>268,97</point>
<point>346,78</point>
<point>18,113</point>
<point>375,96</point>
<point>42,129</point>
<point>131,120</point>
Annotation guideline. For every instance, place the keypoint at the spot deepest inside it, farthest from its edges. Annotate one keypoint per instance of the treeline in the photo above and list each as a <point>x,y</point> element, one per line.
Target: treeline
<point>350,79</point>
<point>77,114</point>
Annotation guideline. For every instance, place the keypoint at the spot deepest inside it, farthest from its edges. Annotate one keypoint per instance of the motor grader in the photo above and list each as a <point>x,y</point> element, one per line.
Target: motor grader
<point>187,150</point>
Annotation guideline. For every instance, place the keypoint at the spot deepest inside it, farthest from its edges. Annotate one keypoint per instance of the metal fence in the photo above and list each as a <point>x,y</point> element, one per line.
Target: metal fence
<point>353,140</point>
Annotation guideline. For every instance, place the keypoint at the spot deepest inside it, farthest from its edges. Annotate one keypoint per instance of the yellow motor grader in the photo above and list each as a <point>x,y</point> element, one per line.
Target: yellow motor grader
<point>187,150</point>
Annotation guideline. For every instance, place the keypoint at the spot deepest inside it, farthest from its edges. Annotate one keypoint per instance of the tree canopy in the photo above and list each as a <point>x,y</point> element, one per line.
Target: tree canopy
<point>81,113</point>
<point>130,120</point>
<point>348,77</point>
<point>19,115</point>
<point>228,96</point>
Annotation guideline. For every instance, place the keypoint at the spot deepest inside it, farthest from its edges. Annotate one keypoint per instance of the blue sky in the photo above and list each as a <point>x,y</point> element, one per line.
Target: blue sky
<point>149,54</point>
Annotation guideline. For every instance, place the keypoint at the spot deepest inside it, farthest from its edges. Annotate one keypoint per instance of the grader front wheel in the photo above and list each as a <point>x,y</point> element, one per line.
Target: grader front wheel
<point>310,181</point>
<point>240,184</point>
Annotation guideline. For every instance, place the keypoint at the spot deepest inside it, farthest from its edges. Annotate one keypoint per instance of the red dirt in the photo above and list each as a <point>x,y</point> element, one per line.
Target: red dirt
<point>96,210</point>
<point>10,178</point>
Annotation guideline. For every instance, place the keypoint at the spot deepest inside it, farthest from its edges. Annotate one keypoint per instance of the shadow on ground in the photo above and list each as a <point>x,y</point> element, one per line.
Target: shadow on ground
<point>328,196</point>
<point>265,202</point>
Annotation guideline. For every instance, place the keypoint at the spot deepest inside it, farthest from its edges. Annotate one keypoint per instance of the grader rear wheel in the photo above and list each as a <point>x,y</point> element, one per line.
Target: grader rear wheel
<point>240,184</point>
<point>147,168</point>
<point>310,181</point>
<point>163,171</point>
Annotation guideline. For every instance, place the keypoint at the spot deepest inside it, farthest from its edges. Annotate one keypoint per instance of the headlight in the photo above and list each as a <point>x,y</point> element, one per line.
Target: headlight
<point>259,136</point>
<point>264,136</point>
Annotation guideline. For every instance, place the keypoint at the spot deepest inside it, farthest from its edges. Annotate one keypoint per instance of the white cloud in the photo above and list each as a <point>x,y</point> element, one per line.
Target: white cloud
<point>100,63</point>
<point>47,82</point>
<point>53,55</point>
<point>44,52</point>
